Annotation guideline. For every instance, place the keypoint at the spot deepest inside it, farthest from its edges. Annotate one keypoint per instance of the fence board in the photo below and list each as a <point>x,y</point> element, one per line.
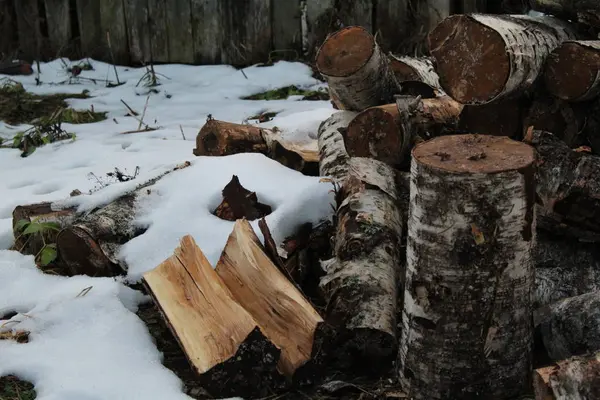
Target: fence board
<point>159,32</point>
<point>90,31</point>
<point>471,6</point>
<point>320,21</point>
<point>247,31</point>
<point>28,27</point>
<point>392,20</point>
<point>138,33</point>
<point>207,31</point>
<point>287,28</point>
<point>179,23</point>
<point>112,21</point>
<point>8,38</point>
<point>58,20</point>
<point>357,12</point>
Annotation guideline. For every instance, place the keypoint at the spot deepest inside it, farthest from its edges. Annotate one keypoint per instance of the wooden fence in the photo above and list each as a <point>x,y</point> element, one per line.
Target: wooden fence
<point>237,32</point>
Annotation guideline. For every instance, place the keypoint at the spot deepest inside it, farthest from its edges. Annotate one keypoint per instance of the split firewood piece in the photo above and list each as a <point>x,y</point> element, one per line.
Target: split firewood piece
<point>387,133</point>
<point>414,69</point>
<point>572,72</point>
<point>516,48</point>
<point>333,157</point>
<point>570,327</point>
<point>564,267</point>
<point>220,138</point>
<point>469,274</point>
<point>47,222</point>
<point>221,340</point>
<point>498,118</point>
<point>568,189</point>
<point>361,284</point>
<point>584,11</point>
<point>279,308</point>
<point>577,378</point>
<point>239,202</point>
<point>356,69</point>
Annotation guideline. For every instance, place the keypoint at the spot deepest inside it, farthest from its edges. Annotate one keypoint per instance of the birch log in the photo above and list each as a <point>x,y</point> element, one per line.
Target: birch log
<point>585,11</point>
<point>466,325</point>
<point>361,284</point>
<point>357,71</point>
<point>570,327</point>
<point>333,157</point>
<point>572,72</point>
<point>414,69</point>
<point>481,58</point>
<point>577,378</point>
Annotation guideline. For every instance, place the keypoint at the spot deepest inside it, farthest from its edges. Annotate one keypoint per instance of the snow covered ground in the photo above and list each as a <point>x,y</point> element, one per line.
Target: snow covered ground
<point>94,346</point>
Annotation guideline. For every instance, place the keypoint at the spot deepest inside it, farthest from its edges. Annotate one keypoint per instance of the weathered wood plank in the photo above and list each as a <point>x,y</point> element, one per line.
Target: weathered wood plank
<point>287,27</point>
<point>8,35</point>
<point>138,33</point>
<point>470,6</point>
<point>58,20</point>
<point>207,31</point>
<point>28,27</point>
<point>357,12</point>
<point>320,21</point>
<point>179,23</point>
<point>159,31</point>
<point>247,31</point>
<point>391,20</point>
<point>90,31</point>
<point>114,31</point>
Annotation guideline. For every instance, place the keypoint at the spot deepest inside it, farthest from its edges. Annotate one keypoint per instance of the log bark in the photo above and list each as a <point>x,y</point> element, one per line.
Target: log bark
<point>414,69</point>
<point>482,58</point>
<point>356,69</point>
<point>570,327</point>
<point>572,72</point>
<point>584,11</point>
<point>361,284</point>
<point>220,138</point>
<point>221,340</point>
<point>279,308</point>
<point>333,157</point>
<point>574,379</point>
<point>466,328</point>
<point>568,188</point>
<point>388,132</point>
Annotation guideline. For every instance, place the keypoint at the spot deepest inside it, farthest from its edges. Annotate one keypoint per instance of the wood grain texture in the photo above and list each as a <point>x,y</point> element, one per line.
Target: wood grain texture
<point>287,32</point>
<point>58,20</point>
<point>138,32</point>
<point>28,27</point>
<point>159,31</point>
<point>207,31</point>
<point>90,33</point>
<point>281,311</point>
<point>114,32</point>
<point>179,22</point>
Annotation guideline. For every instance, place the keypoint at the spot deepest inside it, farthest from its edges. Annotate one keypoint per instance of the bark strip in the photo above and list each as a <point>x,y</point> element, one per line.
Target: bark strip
<point>414,69</point>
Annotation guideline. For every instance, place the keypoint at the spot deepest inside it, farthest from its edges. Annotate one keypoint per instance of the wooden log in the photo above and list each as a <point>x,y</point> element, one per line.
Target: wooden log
<point>333,157</point>
<point>414,69</point>
<point>221,340</point>
<point>356,69</point>
<point>574,379</point>
<point>467,330</point>
<point>585,11</point>
<point>388,132</point>
<point>361,284</point>
<point>220,138</point>
<point>567,189</point>
<point>28,26</point>
<point>516,49</point>
<point>570,327</point>
<point>392,22</point>
<point>207,30</point>
<point>499,118</point>
<point>138,32</point>
<point>287,26</point>
<point>572,72</point>
<point>179,22</point>
<point>91,38</point>
<point>280,309</point>
<point>159,30</point>
<point>114,31</point>
<point>58,21</point>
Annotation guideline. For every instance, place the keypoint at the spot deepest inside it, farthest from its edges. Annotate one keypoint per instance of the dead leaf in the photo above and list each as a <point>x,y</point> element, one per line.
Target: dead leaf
<point>477,235</point>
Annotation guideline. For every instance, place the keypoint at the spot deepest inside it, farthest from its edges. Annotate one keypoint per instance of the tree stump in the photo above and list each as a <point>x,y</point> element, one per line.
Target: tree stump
<point>467,331</point>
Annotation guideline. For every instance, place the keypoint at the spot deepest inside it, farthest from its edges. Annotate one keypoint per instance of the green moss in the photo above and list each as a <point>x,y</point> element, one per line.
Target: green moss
<point>285,92</point>
<point>12,388</point>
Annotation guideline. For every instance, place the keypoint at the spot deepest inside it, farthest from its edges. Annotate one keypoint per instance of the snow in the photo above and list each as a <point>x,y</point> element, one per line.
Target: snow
<point>94,346</point>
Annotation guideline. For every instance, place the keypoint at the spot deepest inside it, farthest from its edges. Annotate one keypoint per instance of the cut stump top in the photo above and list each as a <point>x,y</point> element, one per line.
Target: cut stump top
<point>473,154</point>
<point>471,59</point>
<point>345,52</point>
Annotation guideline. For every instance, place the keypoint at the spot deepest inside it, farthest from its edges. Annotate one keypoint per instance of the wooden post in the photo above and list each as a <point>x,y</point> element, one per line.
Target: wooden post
<point>466,325</point>
<point>179,23</point>
<point>58,20</point>
<point>138,32</point>
<point>207,31</point>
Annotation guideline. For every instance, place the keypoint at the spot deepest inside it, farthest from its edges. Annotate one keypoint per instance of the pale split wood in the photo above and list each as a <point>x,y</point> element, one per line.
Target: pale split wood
<point>333,157</point>
<point>280,309</point>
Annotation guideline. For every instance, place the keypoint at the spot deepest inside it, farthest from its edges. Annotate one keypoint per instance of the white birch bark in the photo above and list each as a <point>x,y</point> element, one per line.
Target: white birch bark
<point>333,157</point>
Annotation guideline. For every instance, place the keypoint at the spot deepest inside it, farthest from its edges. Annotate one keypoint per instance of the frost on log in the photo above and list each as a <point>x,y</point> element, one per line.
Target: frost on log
<point>467,329</point>
<point>356,69</point>
<point>481,58</point>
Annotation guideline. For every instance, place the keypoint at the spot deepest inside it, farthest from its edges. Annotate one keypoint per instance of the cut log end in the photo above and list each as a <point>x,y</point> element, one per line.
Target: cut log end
<point>474,154</point>
<point>469,72</point>
<point>358,46</point>
<point>572,71</point>
<point>219,138</point>
<point>83,255</point>
<point>403,71</point>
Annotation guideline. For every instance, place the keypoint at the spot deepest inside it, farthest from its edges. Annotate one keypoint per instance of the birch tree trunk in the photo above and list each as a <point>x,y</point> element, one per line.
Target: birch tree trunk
<point>481,58</point>
<point>466,325</point>
<point>333,157</point>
